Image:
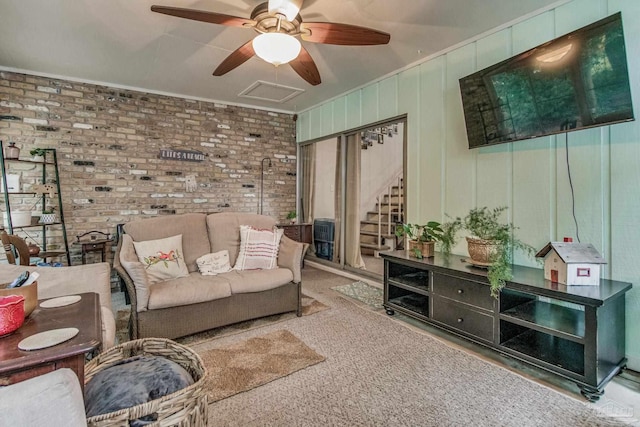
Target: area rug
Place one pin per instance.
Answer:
(243, 366)
(362, 292)
(309, 307)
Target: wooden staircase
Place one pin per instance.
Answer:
(377, 231)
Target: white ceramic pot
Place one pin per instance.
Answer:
(18, 219)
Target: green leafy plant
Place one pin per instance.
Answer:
(38, 152)
(429, 232)
(485, 224)
(292, 215)
(410, 230)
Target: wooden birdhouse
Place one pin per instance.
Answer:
(571, 263)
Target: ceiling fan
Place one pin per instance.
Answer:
(279, 24)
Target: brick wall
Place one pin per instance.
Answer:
(108, 142)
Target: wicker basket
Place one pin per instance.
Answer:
(185, 407)
(481, 251)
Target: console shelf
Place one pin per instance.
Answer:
(417, 304)
(408, 276)
(577, 332)
(563, 322)
(557, 352)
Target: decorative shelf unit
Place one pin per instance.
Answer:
(49, 175)
(577, 332)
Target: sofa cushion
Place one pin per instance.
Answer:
(192, 289)
(51, 399)
(63, 281)
(215, 263)
(290, 256)
(192, 226)
(258, 248)
(224, 230)
(136, 271)
(163, 259)
(246, 281)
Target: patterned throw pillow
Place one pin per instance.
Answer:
(215, 263)
(163, 259)
(258, 248)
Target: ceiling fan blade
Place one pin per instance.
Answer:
(342, 34)
(203, 16)
(237, 58)
(306, 68)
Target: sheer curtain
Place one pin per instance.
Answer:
(352, 254)
(337, 216)
(308, 171)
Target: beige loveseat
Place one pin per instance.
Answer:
(62, 281)
(195, 303)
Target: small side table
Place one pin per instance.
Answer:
(94, 246)
(298, 232)
(18, 365)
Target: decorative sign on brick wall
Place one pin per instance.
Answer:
(185, 155)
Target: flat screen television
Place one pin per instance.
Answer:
(576, 81)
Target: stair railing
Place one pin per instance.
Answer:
(396, 181)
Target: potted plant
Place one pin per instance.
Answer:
(490, 244)
(38, 154)
(291, 216)
(421, 238)
(48, 216)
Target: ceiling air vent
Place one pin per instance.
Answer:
(273, 92)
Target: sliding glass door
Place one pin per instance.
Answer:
(351, 190)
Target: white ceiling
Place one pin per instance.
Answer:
(123, 43)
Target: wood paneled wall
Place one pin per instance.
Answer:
(445, 178)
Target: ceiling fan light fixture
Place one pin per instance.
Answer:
(276, 48)
(556, 54)
(288, 8)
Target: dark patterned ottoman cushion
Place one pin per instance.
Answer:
(132, 382)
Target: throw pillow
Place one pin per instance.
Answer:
(215, 263)
(258, 248)
(163, 259)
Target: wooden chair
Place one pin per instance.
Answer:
(15, 243)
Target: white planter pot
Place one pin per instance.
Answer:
(18, 219)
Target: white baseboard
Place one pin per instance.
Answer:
(633, 363)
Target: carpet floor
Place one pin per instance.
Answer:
(380, 371)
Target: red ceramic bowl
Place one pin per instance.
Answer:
(29, 292)
(11, 313)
